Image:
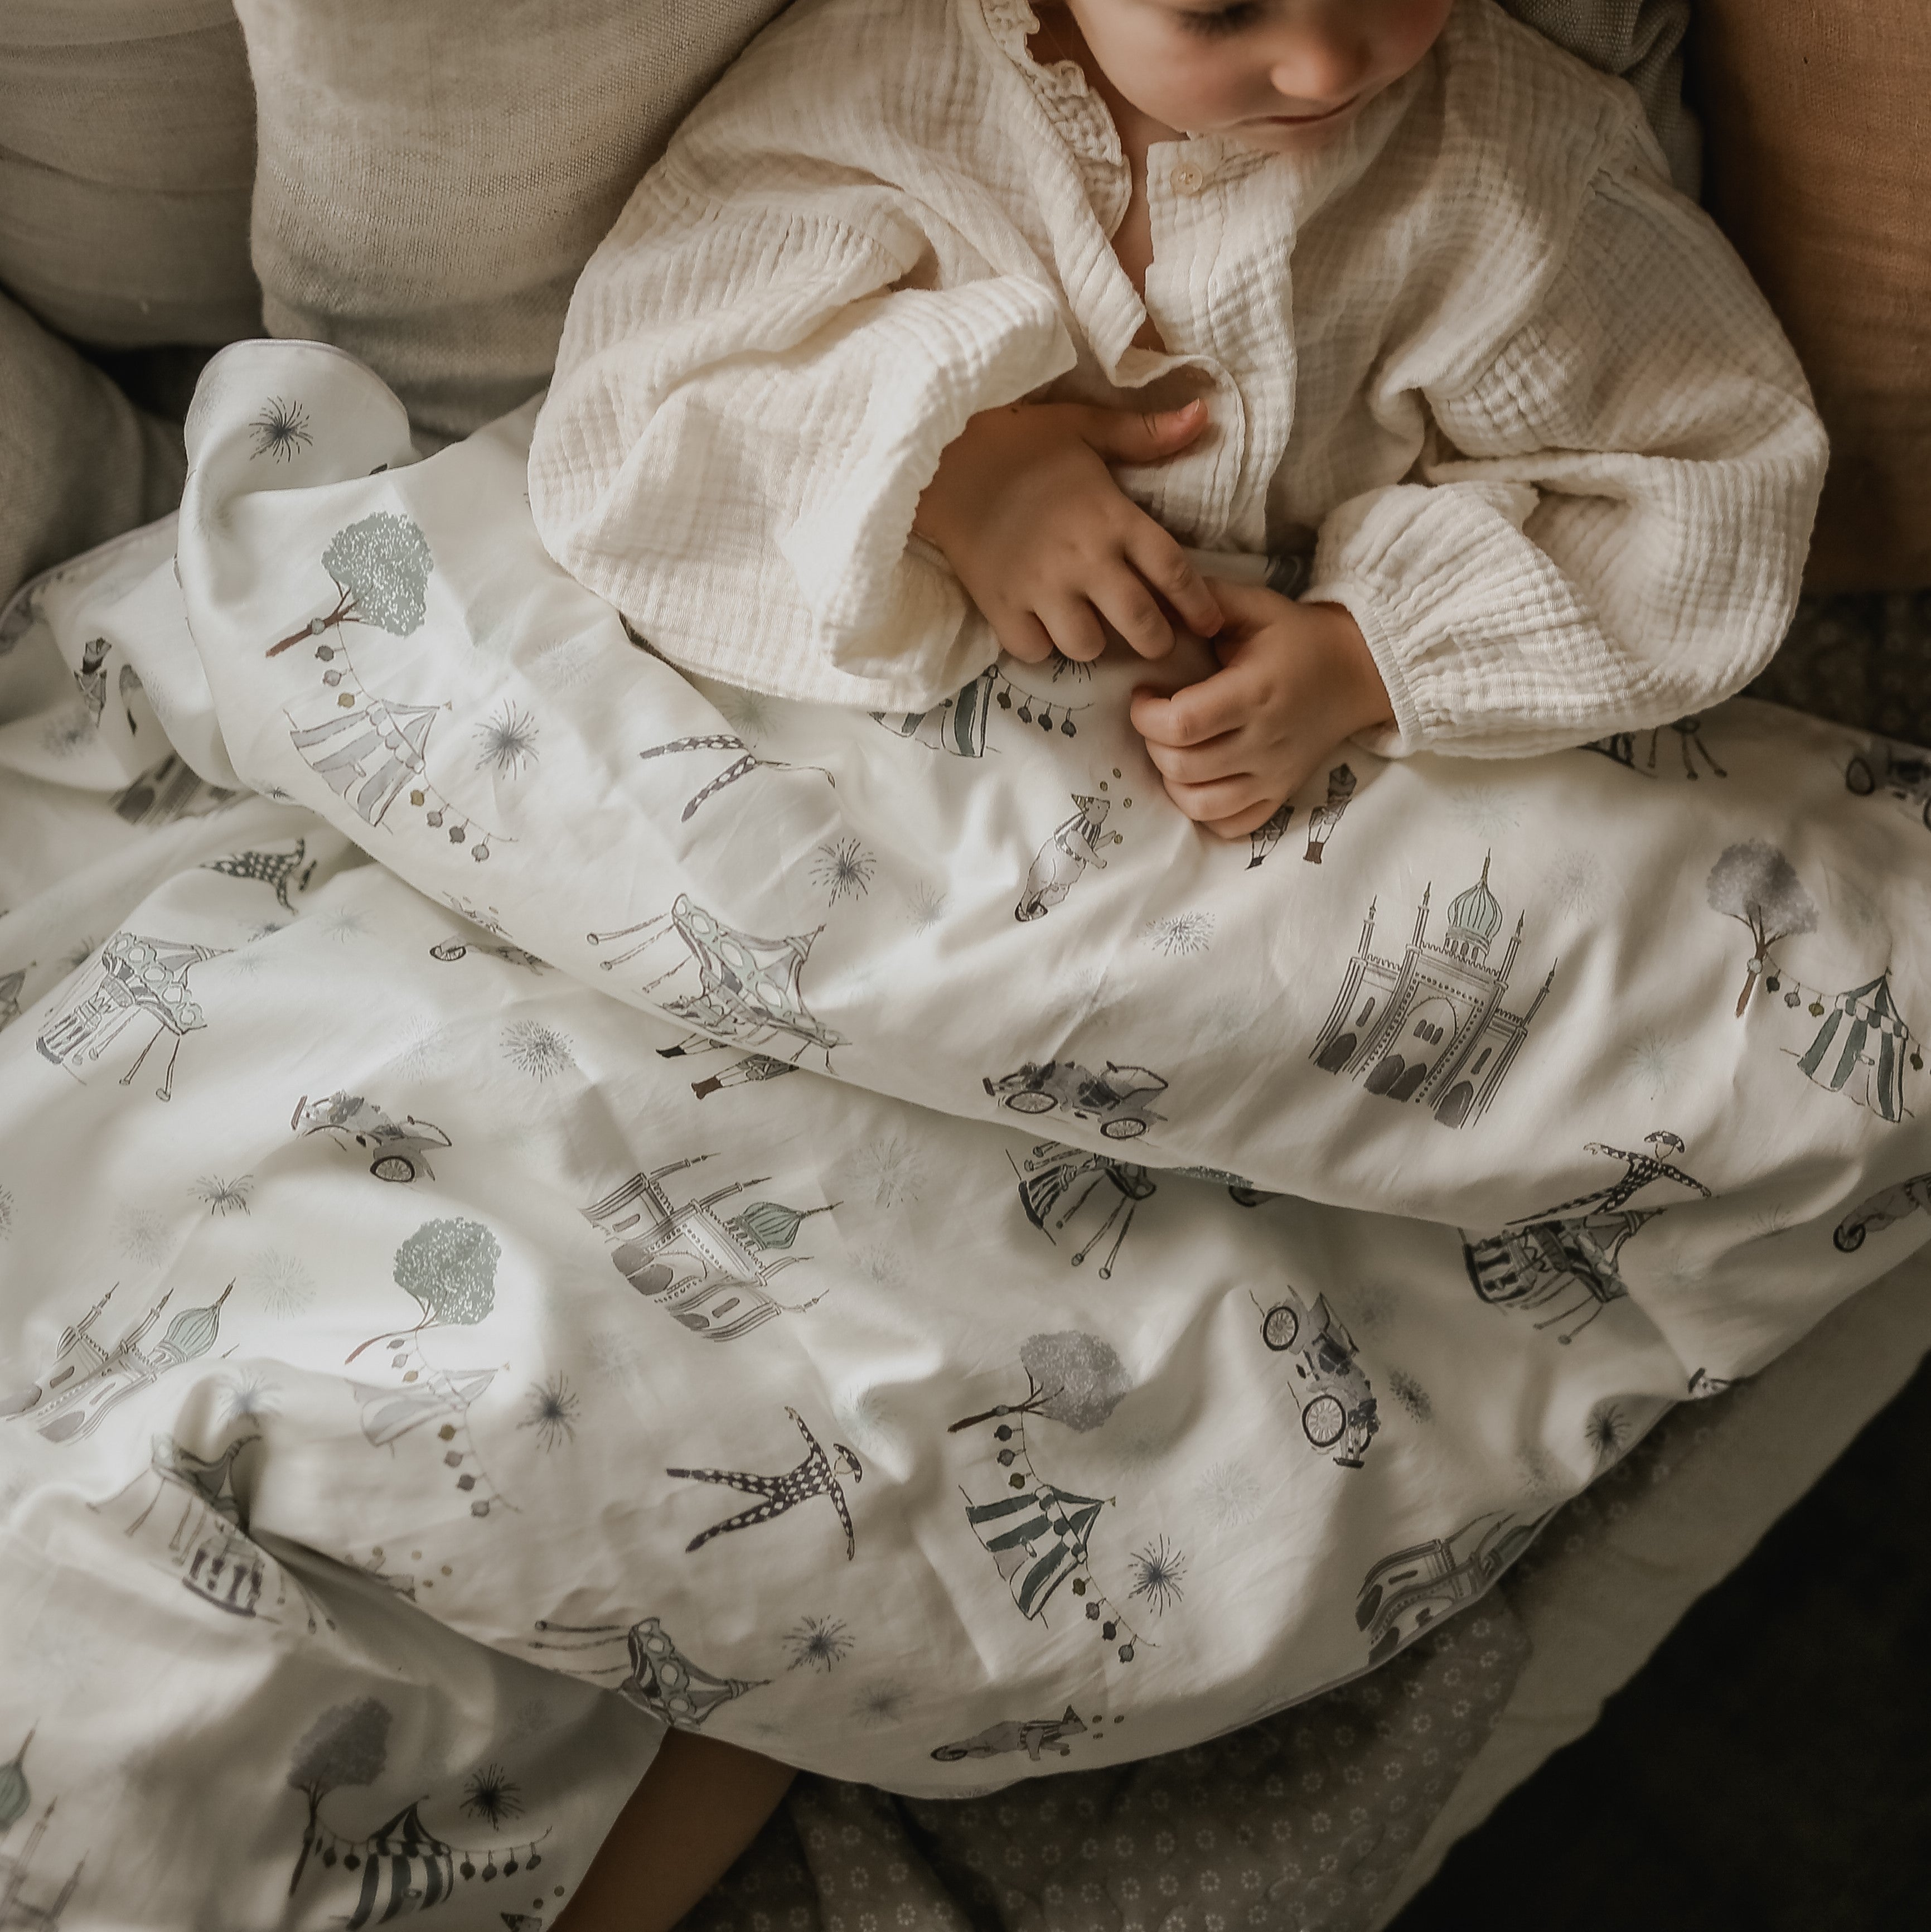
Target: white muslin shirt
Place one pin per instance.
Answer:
(1561, 462)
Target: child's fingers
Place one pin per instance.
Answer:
(1136, 436)
(1224, 757)
(1022, 635)
(1194, 714)
(1128, 605)
(1242, 823)
(1073, 626)
(1163, 565)
(1217, 801)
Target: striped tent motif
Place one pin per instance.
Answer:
(1038, 1538)
(406, 1868)
(1864, 1028)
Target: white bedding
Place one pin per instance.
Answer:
(853, 1419)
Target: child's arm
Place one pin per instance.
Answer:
(1609, 532)
(750, 398)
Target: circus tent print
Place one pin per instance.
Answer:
(1863, 1029)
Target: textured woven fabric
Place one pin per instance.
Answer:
(427, 192)
(78, 463)
(1817, 172)
(127, 152)
(1493, 291)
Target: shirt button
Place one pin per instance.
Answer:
(1187, 179)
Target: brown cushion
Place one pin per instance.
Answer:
(1818, 165)
(127, 154)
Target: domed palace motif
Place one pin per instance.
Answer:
(1431, 1028)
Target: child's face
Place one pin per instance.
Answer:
(1278, 75)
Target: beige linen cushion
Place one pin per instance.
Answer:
(126, 152)
(433, 176)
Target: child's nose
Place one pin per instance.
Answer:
(1321, 67)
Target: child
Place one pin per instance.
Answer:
(1395, 277)
(841, 399)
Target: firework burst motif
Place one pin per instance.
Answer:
(551, 1408)
(880, 1704)
(79, 954)
(845, 867)
(1411, 1395)
(1487, 810)
(1228, 1495)
(891, 1170)
(928, 906)
(344, 924)
(490, 1795)
(279, 430)
(508, 738)
(535, 1049)
(1158, 1570)
(615, 1356)
(747, 712)
(569, 664)
(426, 1051)
(1768, 1223)
(1606, 1432)
(141, 1234)
(880, 1264)
(1574, 882)
(247, 1397)
(820, 1642)
(1652, 1061)
(223, 1197)
(1181, 934)
(285, 1287)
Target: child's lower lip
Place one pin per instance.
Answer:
(1306, 120)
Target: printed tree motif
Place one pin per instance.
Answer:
(381, 566)
(1755, 884)
(1073, 1377)
(450, 1268)
(347, 1744)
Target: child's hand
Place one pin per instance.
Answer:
(1295, 680)
(1046, 543)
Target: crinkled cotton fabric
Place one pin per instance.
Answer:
(1517, 396)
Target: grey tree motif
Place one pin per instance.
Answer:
(1755, 884)
(450, 1268)
(348, 1744)
(381, 566)
(1072, 1377)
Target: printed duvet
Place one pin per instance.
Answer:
(522, 1178)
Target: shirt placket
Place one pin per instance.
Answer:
(1187, 207)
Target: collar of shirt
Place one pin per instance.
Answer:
(1225, 216)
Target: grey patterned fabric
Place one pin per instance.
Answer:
(1306, 1819)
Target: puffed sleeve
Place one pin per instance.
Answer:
(755, 383)
(1607, 528)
